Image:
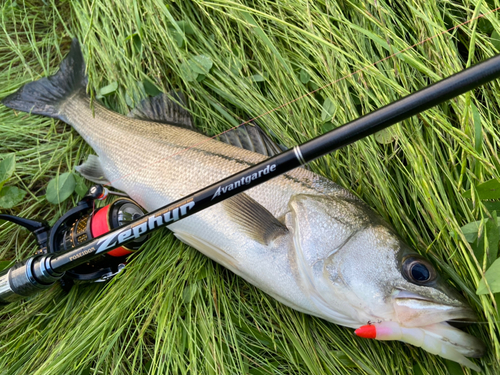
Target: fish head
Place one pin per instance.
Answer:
(421, 297)
(359, 271)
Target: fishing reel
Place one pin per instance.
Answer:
(82, 224)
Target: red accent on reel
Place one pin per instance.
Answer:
(100, 226)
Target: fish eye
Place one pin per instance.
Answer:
(418, 270)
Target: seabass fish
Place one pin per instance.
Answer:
(301, 238)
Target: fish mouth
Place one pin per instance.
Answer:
(455, 312)
(415, 310)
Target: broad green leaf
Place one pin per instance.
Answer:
(495, 39)
(492, 275)
(257, 78)
(478, 131)
(235, 67)
(486, 244)
(10, 196)
(327, 126)
(313, 86)
(470, 230)
(178, 37)
(188, 73)
(150, 88)
(189, 292)
(4, 264)
(134, 97)
(129, 101)
(486, 190)
(61, 187)
(343, 358)
(485, 26)
(489, 190)
(202, 274)
(417, 369)
(492, 206)
(106, 90)
(201, 64)
(304, 76)
(329, 109)
(136, 41)
(453, 368)
(7, 168)
(80, 187)
(479, 245)
(385, 136)
(186, 27)
(493, 237)
(147, 366)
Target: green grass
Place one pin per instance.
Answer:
(174, 311)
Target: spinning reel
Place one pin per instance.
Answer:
(82, 224)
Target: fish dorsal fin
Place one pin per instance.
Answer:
(161, 108)
(252, 138)
(254, 218)
(92, 170)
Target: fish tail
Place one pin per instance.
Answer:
(47, 95)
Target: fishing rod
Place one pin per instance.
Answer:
(82, 237)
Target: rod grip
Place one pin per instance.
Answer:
(26, 278)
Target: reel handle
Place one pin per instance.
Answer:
(39, 229)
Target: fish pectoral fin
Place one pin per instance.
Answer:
(211, 251)
(161, 108)
(92, 170)
(254, 219)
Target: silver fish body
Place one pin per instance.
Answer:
(300, 238)
(158, 163)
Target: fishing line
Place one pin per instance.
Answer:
(110, 183)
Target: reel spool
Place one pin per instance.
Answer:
(84, 223)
